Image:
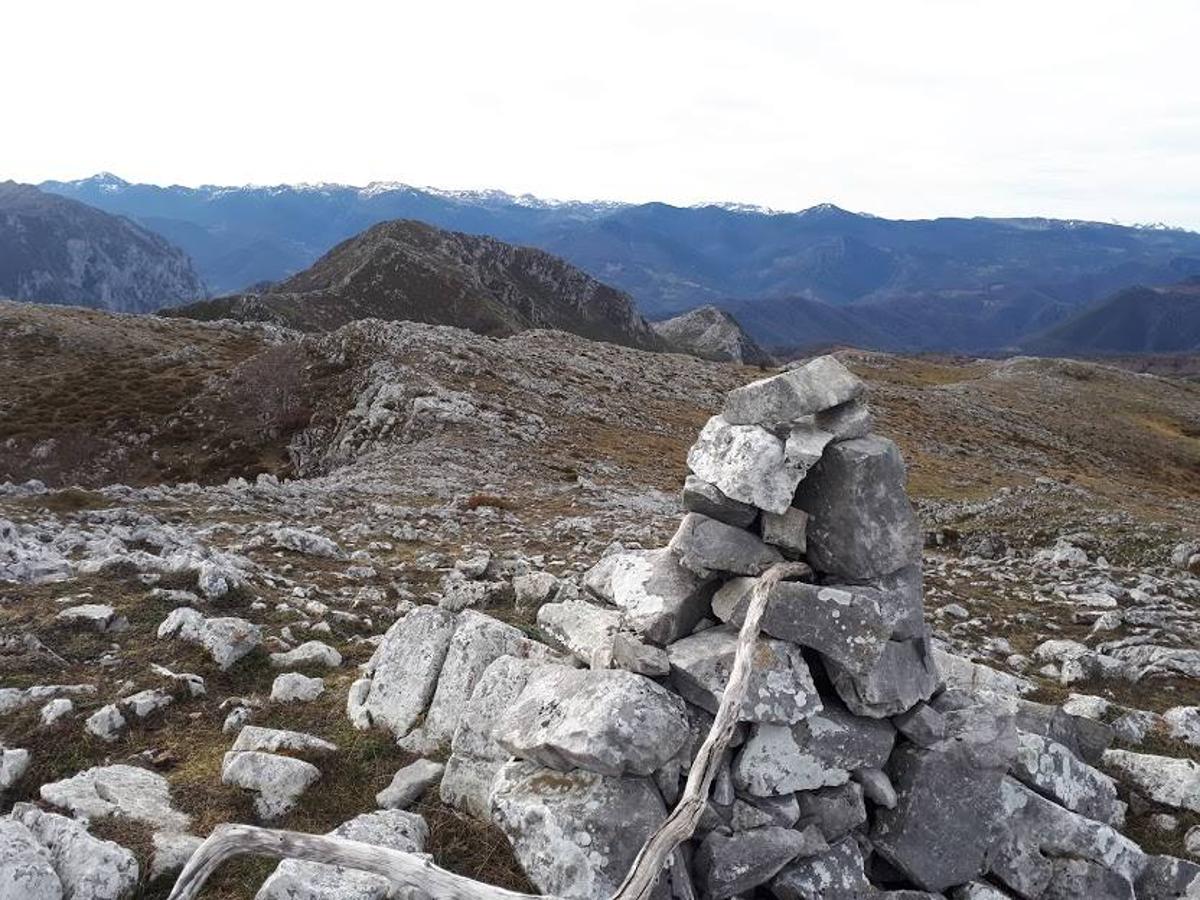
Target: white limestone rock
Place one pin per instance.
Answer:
(14, 763)
(1054, 771)
(56, 710)
(1164, 779)
(405, 667)
(818, 385)
(584, 629)
(226, 639)
(172, 850)
(661, 600)
(292, 687)
(310, 653)
(607, 721)
(278, 781)
(94, 616)
(575, 833)
(26, 871)
(478, 641)
(746, 463)
(117, 791)
(106, 723)
(476, 754)
(391, 828)
(87, 867)
(271, 740)
(409, 783)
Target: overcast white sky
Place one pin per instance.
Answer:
(1072, 108)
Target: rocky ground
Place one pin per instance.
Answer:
(297, 490)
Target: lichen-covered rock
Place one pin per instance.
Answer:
(727, 865)
(405, 667)
(820, 384)
(226, 639)
(295, 879)
(87, 867)
(660, 599)
(836, 874)
(1164, 779)
(278, 781)
(477, 642)
(476, 756)
(861, 524)
(703, 546)
(272, 740)
(409, 783)
(607, 721)
(746, 463)
(1036, 834)
(780, 687)
(310, 653)
(117, 791)
(820, 751)
(14, 763)
(843, 623)
(26, 872)
(293, 687)
(1055, 772)
(585, 629)
(575, 833)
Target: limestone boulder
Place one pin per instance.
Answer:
(904, 675)
(226, 638)
(86, 866)
(821, 384)
(576, 834)
(704, 546)
(476, 755)
(820, 751)
(1055, 772)
(746, 463)
(861, 524)
(278, 782)
(611, 722)
(117, 791)
(26, 871)
(705, 498)
(405, 667)
(780, 690)
(660, 599)
(1164, 779)
(299, 880)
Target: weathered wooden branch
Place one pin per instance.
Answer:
(415, 872)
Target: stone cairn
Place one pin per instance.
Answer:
(854, 770)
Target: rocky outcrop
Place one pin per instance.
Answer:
(711, 333)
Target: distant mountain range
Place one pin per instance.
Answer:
(793, 280)
(408, 270)
(1135, 320)
(57, 250)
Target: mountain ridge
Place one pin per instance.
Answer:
(409, 270)
(57, 250)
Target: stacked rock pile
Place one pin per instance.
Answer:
(854, 771)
